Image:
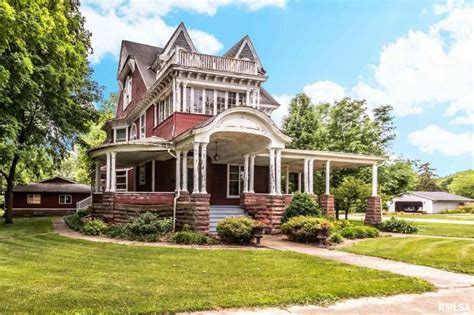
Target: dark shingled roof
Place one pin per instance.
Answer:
(235, 49)
(54, 184)
(267, 98)
(144, 56)
(440, 196)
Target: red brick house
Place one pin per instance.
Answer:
(52, 196)
(193, 139)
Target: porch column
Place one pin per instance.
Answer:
(252, 173)
(306, 178)
(97, 176)
(271, 168)
(178, 96)
(178, 170)
(328, 174)
(311, 176)
(196, 168)
(299, 181)
(246, 174)
(374, 180)
(184, 97)
(174, 95)
(247, 98)
(203, 167)
(287, 180)
(184, 183)
(278, 171)
(107, 172)
(113, 178)
(153, 175)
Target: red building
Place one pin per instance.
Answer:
(193, 139)
(52, 196)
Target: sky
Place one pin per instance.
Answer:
(417, 56)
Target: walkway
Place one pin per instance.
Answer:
(445, 221)
(439, 278)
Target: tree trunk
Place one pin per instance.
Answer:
(346, 212)
(9, 194)
(337, 214)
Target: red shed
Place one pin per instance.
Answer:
(52, 196)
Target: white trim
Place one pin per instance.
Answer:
(120, 128)
(142, 125)
(64, 203)
(133, 132)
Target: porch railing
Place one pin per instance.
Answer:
(84, 203)
(209, 62)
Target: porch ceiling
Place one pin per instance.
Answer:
(127, 159)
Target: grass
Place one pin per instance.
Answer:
(47, 273)
(452, 255)
(24, 227)
(444, 229)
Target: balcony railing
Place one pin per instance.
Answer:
(216, 63)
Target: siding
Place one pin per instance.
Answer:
(178, 123)
(48, 200)
(138, 90)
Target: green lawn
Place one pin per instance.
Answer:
(453, 255)
(443, 229)
(44, 273)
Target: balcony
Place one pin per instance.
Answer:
(215, 63)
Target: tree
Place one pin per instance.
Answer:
(463, 184)
(46, 91)
(351, 196)
(78, 164)
(396, 178)
(426, 178)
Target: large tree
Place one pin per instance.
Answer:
(46, 91)
(463, 184)
(427, 178)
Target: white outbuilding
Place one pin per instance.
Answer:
(426, 202)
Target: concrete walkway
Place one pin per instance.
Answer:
(439, 278)
(445, 221)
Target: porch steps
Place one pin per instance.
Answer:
(219, 212)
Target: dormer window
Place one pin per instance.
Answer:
(127, 92)
(121, 134)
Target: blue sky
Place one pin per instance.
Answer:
(415, 55)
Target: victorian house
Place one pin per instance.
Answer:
(193, 139)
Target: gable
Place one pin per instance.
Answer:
(180, 38)
(246, 53)
(181, 41)
(57, 180)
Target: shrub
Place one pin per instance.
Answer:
(236, 230)
(94, 227)
(116, 231)
(74, 222)
(340, 224)
(149, 223)
(336, 238)
(84, 212)
(469, 208)
(301, 205)
(305, 228)
(187, 237)
(398, 226)
(358, 231)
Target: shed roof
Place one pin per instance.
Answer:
(440, 196)
(56, 184)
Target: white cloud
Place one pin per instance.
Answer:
(324, 91)
(434, 139)
(279, 114)
(110, 21)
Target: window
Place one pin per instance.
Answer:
(209, 102)
(231, 99)
(220, 101)
(142, 126)
(197, 106)
(121, 135)
(133, 132)
(234, 180)
(65, 199)
(127, 92)
(141, 175)
(188, 100)
(121, 181)
(242, 99)
(33, 199)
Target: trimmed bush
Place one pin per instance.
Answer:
(335, 238)
(94, 227)
(398, 226)
(188, 237)
(305, 228)
(149, 224)
(236, 230)
(301, 205)
(469, 208)
(73, 221)
(358, 231)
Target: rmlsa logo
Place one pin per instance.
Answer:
(454, 307)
